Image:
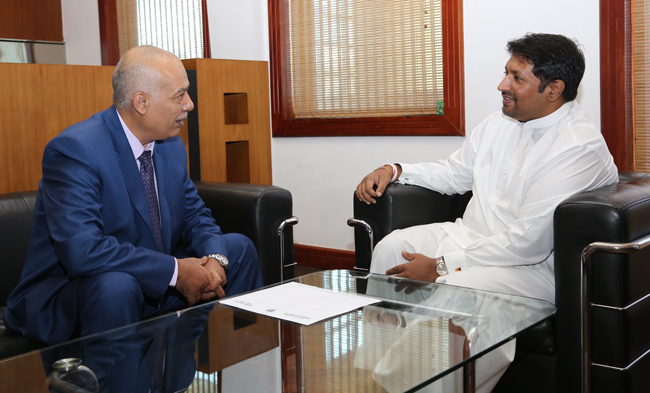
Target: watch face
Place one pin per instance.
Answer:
(223, 261)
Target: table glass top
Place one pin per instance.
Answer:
(414, 336)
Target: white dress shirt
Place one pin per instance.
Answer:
(518, 173)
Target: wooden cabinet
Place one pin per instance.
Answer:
(229, 131)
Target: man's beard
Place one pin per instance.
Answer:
(510, 112)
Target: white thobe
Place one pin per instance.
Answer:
(518, 174)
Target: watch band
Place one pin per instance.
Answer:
(223, 261)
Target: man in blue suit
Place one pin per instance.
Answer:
(120, 233)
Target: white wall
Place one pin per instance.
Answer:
(81, 32)
(322, 173)
(239, 29)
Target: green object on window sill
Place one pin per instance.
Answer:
(440, 108)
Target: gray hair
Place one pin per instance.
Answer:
(136, 72)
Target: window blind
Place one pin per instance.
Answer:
(365, 58)
(173, 25)
(641, 77)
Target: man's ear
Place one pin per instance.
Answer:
(140, 102)
(555, 90)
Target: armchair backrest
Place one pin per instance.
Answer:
(16, 211)
(256, 211)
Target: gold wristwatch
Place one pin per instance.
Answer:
(441, 266)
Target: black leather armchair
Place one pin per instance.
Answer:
(263, 213)
(550, 357)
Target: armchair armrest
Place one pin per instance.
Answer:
(618, 213)
(257, 211)
(401, 206)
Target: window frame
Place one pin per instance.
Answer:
(109, 39)
(452, 123)
(616, 114)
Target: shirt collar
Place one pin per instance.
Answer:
(135, 144)
(549, 120)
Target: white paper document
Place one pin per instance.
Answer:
(299, 303)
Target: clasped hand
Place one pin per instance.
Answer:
(200, 279)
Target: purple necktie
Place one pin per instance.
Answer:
(146, 171)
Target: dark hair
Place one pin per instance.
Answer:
(553, 57)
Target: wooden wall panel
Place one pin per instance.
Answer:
(215, 79)
(39, 102)
(39, 20)
(323, 258)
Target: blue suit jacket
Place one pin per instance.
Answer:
(92, 216)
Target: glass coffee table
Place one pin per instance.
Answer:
(415, 337)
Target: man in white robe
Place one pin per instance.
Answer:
(519, 163)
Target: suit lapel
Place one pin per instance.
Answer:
(129, 169)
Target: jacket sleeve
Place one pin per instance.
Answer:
(201, 234)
